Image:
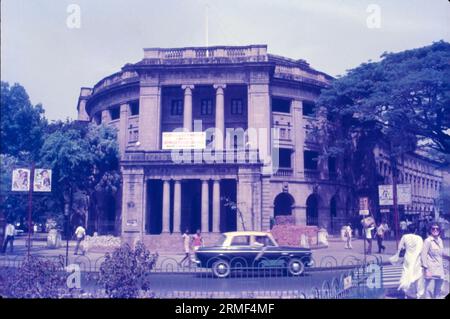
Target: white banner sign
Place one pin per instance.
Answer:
(386, 195)
(183, 140)
(21, 180)
(42, 180)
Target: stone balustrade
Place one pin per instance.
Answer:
(252, 52)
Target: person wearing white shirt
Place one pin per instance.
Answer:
(369, 238)
(80, 232)
(10, 232)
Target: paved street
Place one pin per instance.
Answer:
(170, 280)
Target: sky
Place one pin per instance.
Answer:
(53, 61)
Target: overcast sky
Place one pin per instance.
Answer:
(53, 61)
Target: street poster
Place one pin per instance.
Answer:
(42, 180)
(20, 180)
(386, 194)
(364, 205)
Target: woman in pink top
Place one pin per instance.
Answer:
(197, 241)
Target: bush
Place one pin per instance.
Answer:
(35, 278)
(123, 274)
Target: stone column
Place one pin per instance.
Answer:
(133, 204)
(260, 119)
(166, 206)
(298, 138)
(187, 108)
(177, 207)
(220, 116)
(106, 117)
(216, 206)
(205, 206)
(149, 117)
(123, 128)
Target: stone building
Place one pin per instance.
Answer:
(425, 177)
(224, 87)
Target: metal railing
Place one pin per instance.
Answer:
(350, 277)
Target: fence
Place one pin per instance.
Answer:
(350, 278)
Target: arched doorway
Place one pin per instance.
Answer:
(283, 204)
(312, 210)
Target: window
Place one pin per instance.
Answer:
(177, 107)
(115, 113)
(134, 108)
(206, 107)
(311, 159)
(281, 105)
(285, 157)
(309, 108)
(240, 241)
(237, 107)
(263, 241)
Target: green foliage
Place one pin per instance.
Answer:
(35, 278)
(405, 96)
(400, 102)
(21, 123)
(124, 273)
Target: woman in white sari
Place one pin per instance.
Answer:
(411, 281)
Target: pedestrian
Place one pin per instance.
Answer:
(380, 238)
(348, 236)
(403, 227)
(387, 230)
(197, 241)
(10, 232)
(186, 245)
(433, 248)
(369, 237)
(80, 233)
(411, 281)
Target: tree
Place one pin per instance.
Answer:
(22, 124)
(401, 102)
(84, 162)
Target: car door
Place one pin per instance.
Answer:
(241, 251)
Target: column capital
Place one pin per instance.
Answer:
(205, 180)
(124, 107)
(219, 86)
(187, 86)
(216, 179)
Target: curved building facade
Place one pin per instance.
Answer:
(273, 168)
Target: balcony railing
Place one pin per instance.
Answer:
(312, 174)
(284, 172)
(166, 157)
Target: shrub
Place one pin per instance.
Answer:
(123, 274)
(35, 278)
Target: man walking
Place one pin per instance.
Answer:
(380, 237)
(10, 232)
(369, 238)
(80, 233)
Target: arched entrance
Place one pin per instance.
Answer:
(312, 210)
(283, 204)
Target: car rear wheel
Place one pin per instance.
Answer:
(295, 267)
(221, 269)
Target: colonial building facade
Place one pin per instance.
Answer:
(425, 177)
(240, 88)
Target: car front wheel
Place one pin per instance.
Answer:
(295, 267)
(221, 269)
